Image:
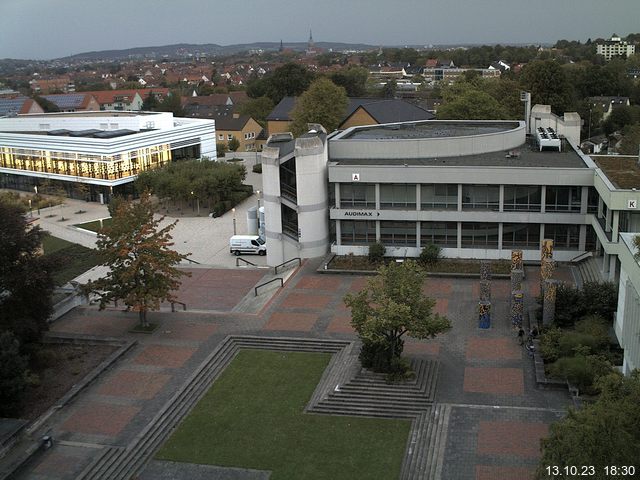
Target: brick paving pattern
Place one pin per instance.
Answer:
(518, 439)
(100, 419)
(484, 472)
(493, 349)
(164, 356)
(143, 385)
(479, 369)
(496, 381)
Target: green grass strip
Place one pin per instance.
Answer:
(252, 417)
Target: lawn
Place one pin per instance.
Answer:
(253, 417)
(70, 259)
(95, 225)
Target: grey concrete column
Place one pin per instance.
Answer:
(459, 234)
(612, 267)
(615, 225)
(337, 194)
(541, 234)
(501, 201)
(607, 221)
(377, 230)
(418, 239)
(338, 233)
(500, 230)
(582, 238)
(543, 200)
(600, 204)
(418, 197)
(584, 200)
(377, 196)
(459, 198)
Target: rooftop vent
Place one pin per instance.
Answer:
(548, 138)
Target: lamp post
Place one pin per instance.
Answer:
(258, 195)
(197, 202)
(234, 220)
(30, 211)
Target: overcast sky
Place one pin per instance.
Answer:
(44, 29)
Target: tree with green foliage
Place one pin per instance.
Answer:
(26, 284)
(389, 89)
(324, 103)
(391, 305)
(142, 266)
(258, 109)
(217, 184)
(233, 144)
(172, 103)
(289, 80)
(548, 84)
(221, 149)
(600, 434)
(13, 375)
(150, 103)
(465, 100)
(353, 79)
(47, 105)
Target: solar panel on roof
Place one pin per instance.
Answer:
(66, 101)
(10, 105)
(84, 133)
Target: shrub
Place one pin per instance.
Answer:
(430, 254)
(600, 298)
(581, 371)
(13, 375)
(257, 168)
(570, 341)
(376, 252)
(380, 356)
(549, 348)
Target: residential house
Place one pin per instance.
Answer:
(360, 111)
(607, 104)
(43, 86)
(229, 124)
(18, 105)
(74, 102)
(122, 100)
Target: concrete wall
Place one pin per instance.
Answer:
(567, 125)
(271, 202)
(311, 179)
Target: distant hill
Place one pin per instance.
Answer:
(209, 49)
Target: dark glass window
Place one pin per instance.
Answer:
(522, 198)
(401, 234)
(289, 221)
(400, 196)
(480, 197)
(563, 199)
(354, 232)
(443, 234)
(521, 235)
(565, 237)
(439, 196)
(357, 195)
(479, 235)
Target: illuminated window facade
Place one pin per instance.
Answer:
(74, 164)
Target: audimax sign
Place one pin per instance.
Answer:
(361, 213)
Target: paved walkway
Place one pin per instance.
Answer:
(497, 415)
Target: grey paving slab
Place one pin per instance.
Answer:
(162, 470)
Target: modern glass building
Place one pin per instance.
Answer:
(104, 151)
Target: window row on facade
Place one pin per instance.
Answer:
(472, 234)
(516, 198)
(86, 166)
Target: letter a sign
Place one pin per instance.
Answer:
(355, 177)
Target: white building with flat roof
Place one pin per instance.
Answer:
(103, 150)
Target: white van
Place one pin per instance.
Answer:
(247, 244)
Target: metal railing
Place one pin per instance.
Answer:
(173, 306)
(192, 261)
(255, 290)
(298, 259)
(238, 260)
(582, 256)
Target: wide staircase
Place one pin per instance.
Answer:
(589, 270)
(344, 389)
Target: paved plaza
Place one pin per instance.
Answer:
(497, 413)
(486, 380)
